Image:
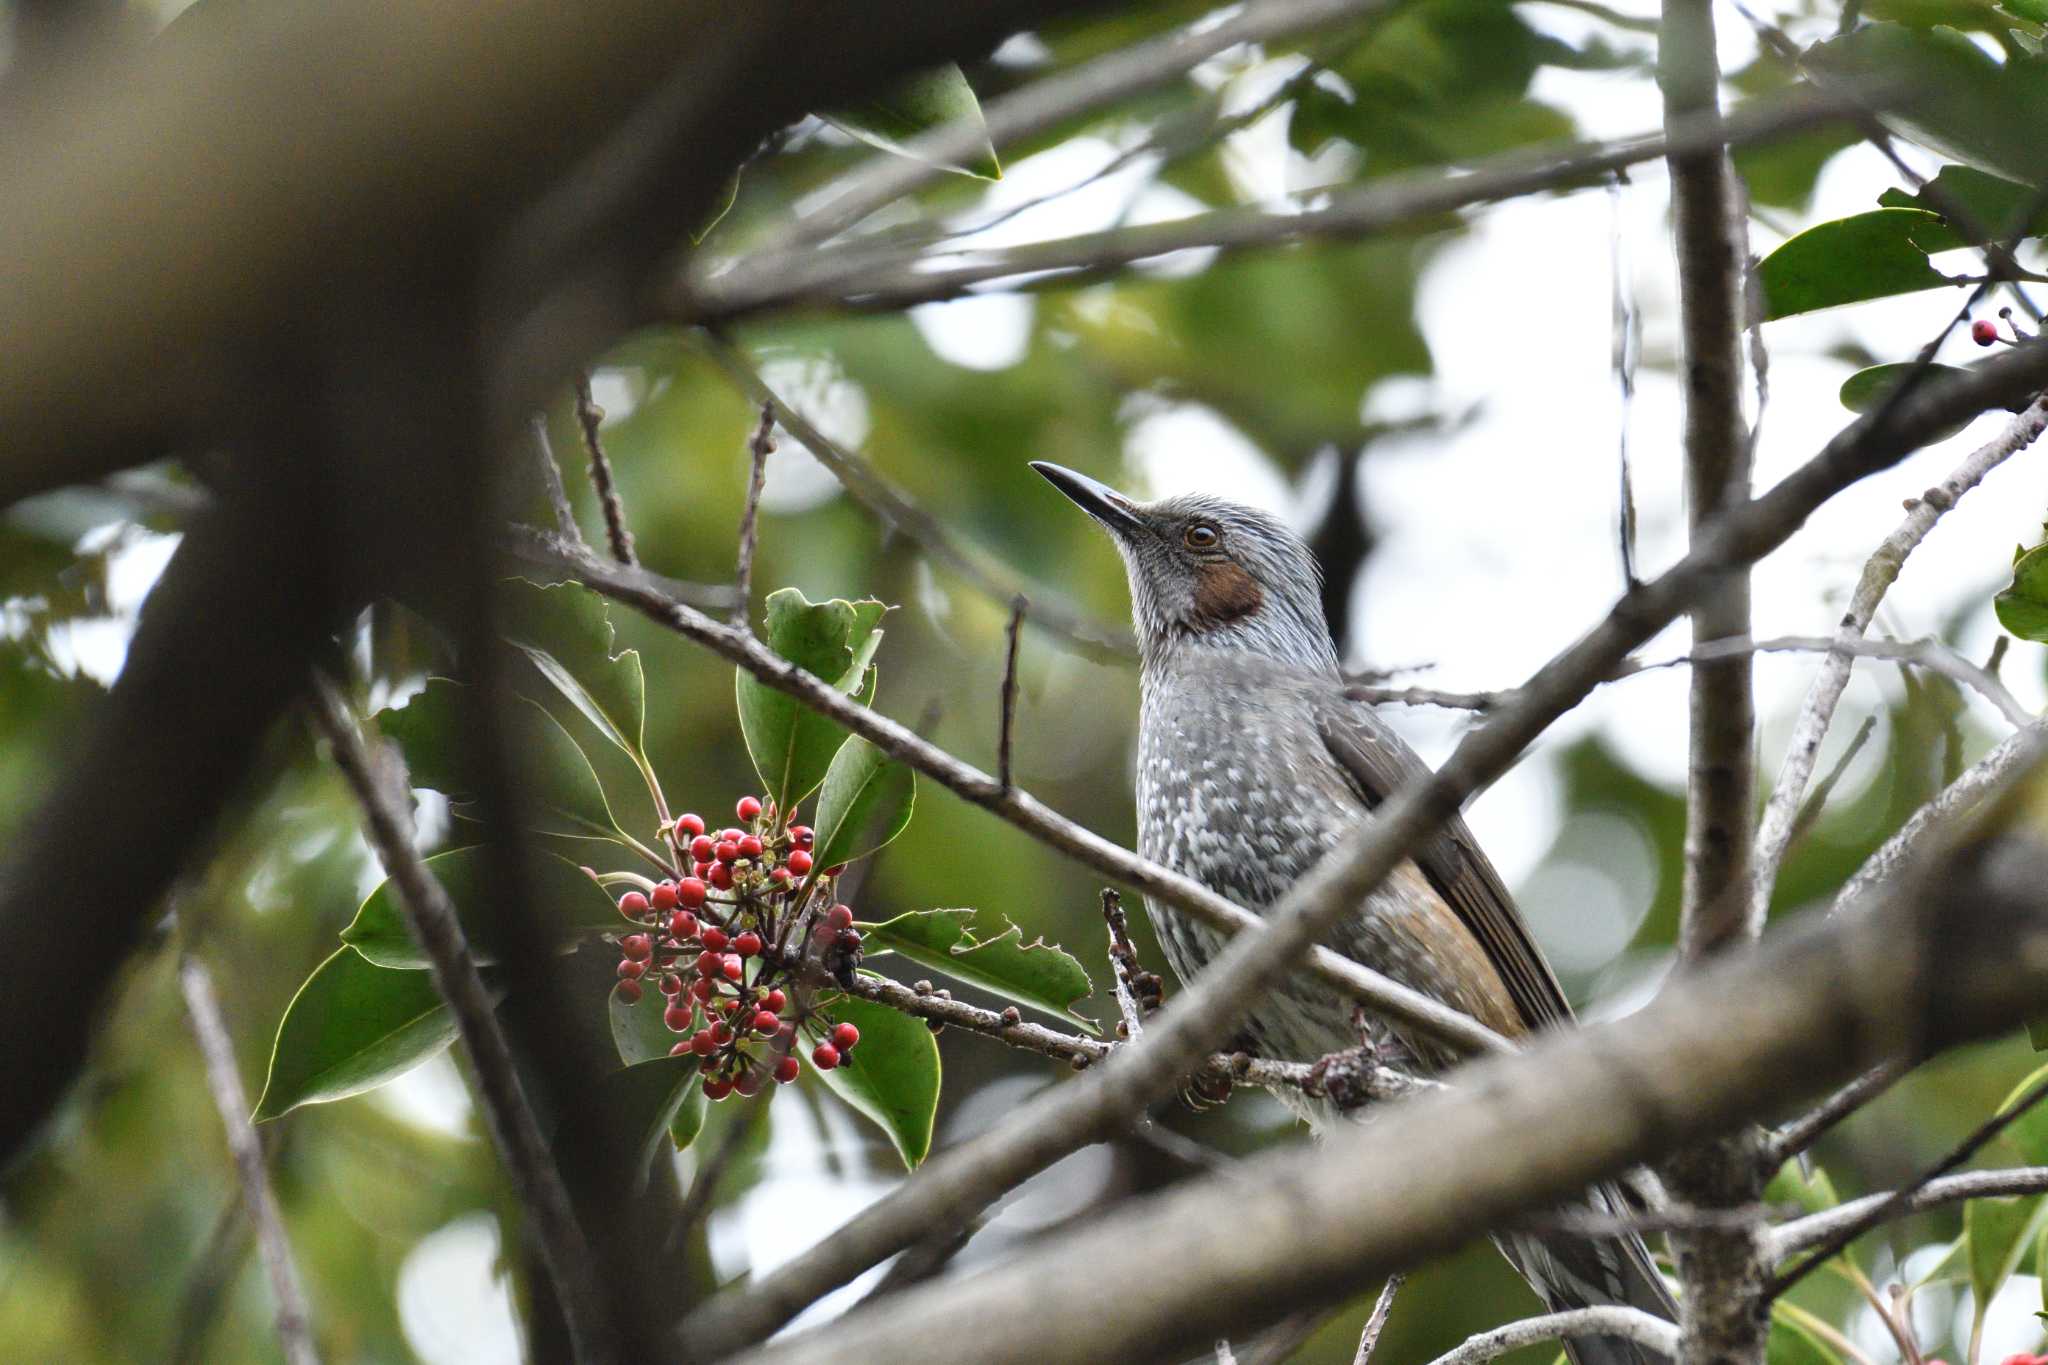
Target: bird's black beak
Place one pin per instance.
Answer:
(1098, 500)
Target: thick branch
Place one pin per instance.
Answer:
(964, 1179)
(1960, 951)
(294, 1322)
(1790, 1239)
(1879, 573)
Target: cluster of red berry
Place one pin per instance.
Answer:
(718, 944)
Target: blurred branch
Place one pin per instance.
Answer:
(375, 776)
(551, 479)
(899, 277)
(1046, 104)
(1980, 779)
(1008, 723)
(1631, 1324)
(294, 1322)
(647, 595)
(206, 1283)
(1879, 573)
(1826, 1227)
(1802, 1132)
(759, 448)
(893, 507)
(589, 418)
(1957, 951)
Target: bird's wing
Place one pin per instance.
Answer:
(1377, 761)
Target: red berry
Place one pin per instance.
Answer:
(709, 964)
(691, 892)
(701, 848)
(824, 934)
(682, 925)
(748, 808)
(682, 1046)
(702, 1043)
(1983, 332)
(840, 917)
(780, 876)
(629, 970)
(717, 1090)
(787, 1070)
(825, 1056)
(633, 904)
(747, 944)
(835, 869)
(750, 846)
(734, 968)
(774, 1000)
(637, 946)
(730, 836)
(720, 1034)
(629, 991)
(702, 988)
(702, 871)
(727, 850)
(715, 938)
(766, 1022)
(802, 835)
(730, 1005)
(671, 984)
(721, 876)
(748, 1082)
(844, 1036)
(664, 897)
(799, 861)
(677, 1017)
(689, 824)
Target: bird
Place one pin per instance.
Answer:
(1254, 760)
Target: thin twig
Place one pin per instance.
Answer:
(1623, 352)
(1900, 1200)
(1879, 573)
(294, 1322)
(1375, 1324)
(1138, 992)
(551, 479)
(1802, 1132)
(1009, 716)
(589, 416)
(894, 509)
(1817, 801)
(2015, 752)
(213, 1268)
(760, 447)
(375, 776)
(1792, 1238)
(1631, 1324)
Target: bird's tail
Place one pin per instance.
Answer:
(1575, 1270)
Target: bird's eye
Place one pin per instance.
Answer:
(1200, 536)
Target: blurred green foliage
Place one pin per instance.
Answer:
(119, 1238)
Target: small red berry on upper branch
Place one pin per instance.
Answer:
(633, 904)
(748, 808)
(844, 1036)
(1983, 332)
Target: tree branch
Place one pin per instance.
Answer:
(884, 276)
(294, 1321)
(759, 448)
(1803, 1234)
(1879, 573)
(1802, 1132)
(589, 418)
(1958, 951)
(1631, 1324)
(376, 779)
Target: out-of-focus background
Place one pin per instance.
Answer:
(1441, 411)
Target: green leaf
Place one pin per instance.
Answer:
(991, 955)
(1810, 1189)
(2023, 606)
(928, 100)
(791, 745)
(637, 1027)
(1793, 1342)
(2028, 1134)
(574, 905)
(1865, 256)
(1866, 390)
(352, 1026)
(1998, 1232)
(566, 631)
(865, 803)
(892, 1076)
(647, 1099)
(689, 1120)
(566, 796)
(1992, 204)
(1965, 104)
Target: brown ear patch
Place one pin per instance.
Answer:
(1223, 593)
